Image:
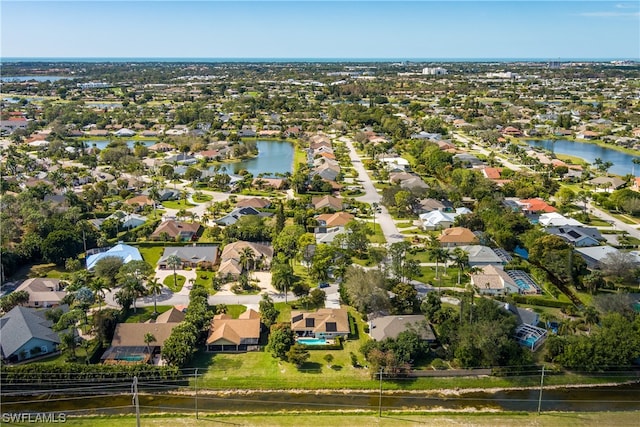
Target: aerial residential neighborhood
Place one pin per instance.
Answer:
(258, 224)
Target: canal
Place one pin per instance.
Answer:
(588, 399)
(622, 162)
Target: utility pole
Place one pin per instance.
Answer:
(196, 387)
(541, 385)
(136, 403)
(380, 396)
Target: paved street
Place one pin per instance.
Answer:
(617, 224)
(371, 195)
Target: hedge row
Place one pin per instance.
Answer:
(52, 375)
(531, 300)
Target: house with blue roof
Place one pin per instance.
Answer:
(125, 252)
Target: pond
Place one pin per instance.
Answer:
(102, 144)
(274, 157)
(622, 162)
(11, 79)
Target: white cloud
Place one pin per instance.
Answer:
(611, 14)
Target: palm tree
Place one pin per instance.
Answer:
(247, 257)
(154, 288)
(461, 260)
(148, 339)
(99, 286)
(439, 255)
(173, 262)
(154, 195)
(591, 316)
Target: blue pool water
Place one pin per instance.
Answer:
(312, 341)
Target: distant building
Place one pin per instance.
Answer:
(434, 71)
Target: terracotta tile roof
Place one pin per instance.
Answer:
(336, 219)
(457, 235)
(537, 205)
(247, 326)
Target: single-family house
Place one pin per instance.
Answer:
(176, 230)
(190, 256)
(437, 220)
(493, 281)
(124, 132)
(140, 201)
(233, 216)
(554, 219)
(325, 323)
(595, 255)
(125, 252)
(234, 335)
(128, 345)
(577, 236)
(457, 236)
(429, 205)
(384, 327)
(26, 333)
(254, 202)
(327, 171)
(609, 183)
(481, 256)
(275, 183)
(328, 202)
(535, 206)
(161, 147)
(332, 220)
(230, 258)
(43, 292)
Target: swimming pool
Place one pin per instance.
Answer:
(312, 341)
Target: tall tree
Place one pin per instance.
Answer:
(173, 262)
(154, 287)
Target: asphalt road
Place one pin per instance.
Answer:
(388, 226)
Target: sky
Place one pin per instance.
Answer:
(320, 29)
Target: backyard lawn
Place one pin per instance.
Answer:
(151, 254)
(230, 370)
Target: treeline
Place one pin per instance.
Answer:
(192, 332)
(616, 344)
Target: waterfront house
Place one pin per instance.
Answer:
(326, 323)
(234, 335)
(26, 333)
(381, 328)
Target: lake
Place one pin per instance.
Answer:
(102, 144)
(622, 162)
(273, 157)
(32, 78)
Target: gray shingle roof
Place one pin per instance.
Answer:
(20, 325)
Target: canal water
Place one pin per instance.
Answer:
(619, 398)
(274, 157)
(622, 162)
